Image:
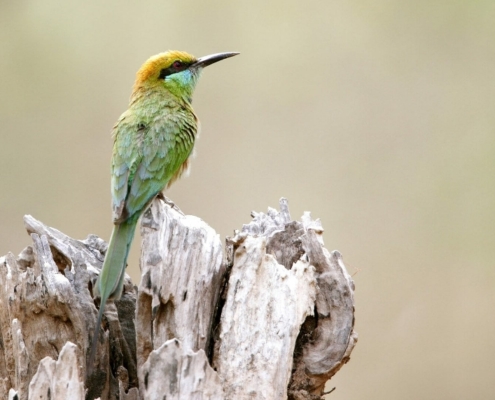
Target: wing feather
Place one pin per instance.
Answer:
(146, 160)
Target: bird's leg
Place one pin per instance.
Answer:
(169, 202)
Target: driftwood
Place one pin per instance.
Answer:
(269, 317)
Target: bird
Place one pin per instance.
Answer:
(153, 141)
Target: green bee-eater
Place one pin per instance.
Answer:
(153, 140)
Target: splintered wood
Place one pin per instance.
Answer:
(181, 276)
(46, 303)
(271, 317)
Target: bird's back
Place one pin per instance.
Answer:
(153, 140)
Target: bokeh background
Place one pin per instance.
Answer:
(376, 116)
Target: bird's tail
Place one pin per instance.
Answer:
(111, 279)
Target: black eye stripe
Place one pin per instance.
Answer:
(165, 72)
(177, 66)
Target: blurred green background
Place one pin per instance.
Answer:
(376, 116)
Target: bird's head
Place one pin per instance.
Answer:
(174, 71)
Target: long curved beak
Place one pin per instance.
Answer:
(211, 59)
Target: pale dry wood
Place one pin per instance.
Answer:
(61, 379)
(39, 314)
(280, 274)
(324, 341)
(181, 273)
(173, 372)
(274, 316)
(264, 309)
(46, 301)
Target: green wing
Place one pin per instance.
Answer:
(147, 154)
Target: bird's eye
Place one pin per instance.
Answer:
(177, 66)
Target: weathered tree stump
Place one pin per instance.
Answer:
(269, 317)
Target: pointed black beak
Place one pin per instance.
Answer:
(211, 59)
